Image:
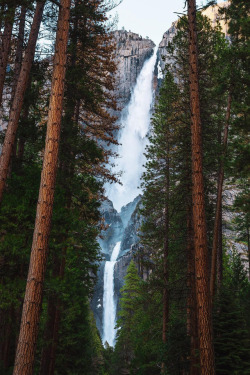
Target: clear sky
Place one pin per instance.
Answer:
(149, 17)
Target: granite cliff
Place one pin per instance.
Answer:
(131, 52)
(211, 12)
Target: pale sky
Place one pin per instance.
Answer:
(149, 17)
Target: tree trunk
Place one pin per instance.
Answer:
(4, 49)
(204, 314)
(17, 103)
(33, 295)
(19, 50)
(219, 200)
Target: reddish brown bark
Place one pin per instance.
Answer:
(4, 49)
(18, 98)
(204, 314)
(33, 295)
(218, 211)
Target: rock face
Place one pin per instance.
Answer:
(162, 48)
(131, 52)
(131, 232)
(127, 211)
(211, 12)
(114, 230)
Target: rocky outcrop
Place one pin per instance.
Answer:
(162, 48)
(114, 228)
(211, 12)
(131, 52)
(120, 271)
(131, 233)
(127, 211)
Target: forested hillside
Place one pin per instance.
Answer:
(185, 302)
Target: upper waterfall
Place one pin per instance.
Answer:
(135, 121)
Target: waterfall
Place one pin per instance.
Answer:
(109, 307)
(135, 126)
(135, 123)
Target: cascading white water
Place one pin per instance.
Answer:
(132, 139)
(109, 308)
(135, 125)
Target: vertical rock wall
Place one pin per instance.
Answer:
(131, 52)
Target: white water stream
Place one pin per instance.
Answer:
(135, 126)
(109, 308)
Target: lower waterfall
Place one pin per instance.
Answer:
(109, 308)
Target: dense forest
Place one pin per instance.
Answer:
(191, 315)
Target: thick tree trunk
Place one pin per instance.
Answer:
(18, 98)
(4, 49)
(204, 314)
(33, 296)
(218, 211)
(19, 50)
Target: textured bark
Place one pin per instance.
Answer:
(18, 98)
(4, 49)
(33, 295)
(204, 314)
(19, 50)
(219, 200)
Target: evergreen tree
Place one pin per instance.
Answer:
(18, 98)
(24, 362)
(130, 293)
(231, 332)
